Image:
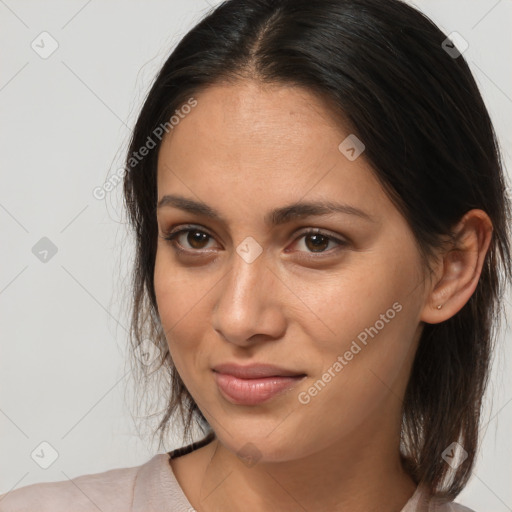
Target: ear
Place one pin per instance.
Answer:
(459, 270)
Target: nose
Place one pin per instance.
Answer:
(247, 308)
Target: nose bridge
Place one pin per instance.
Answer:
(245, 299)
(242, 287)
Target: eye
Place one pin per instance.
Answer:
(316, 241)
(191, 239)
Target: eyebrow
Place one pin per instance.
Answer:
(275, 217)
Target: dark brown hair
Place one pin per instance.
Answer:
(383, 68)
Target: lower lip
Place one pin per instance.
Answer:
(253, 391)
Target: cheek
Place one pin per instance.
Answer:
(368, 316)
(181, 306)
(177, 293)
(372, 319)
(359, 380)
(341, 306)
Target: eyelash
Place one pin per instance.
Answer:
(171, 236)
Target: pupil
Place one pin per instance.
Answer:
(319, 242)
(195, 238)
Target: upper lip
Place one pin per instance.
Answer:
(255, 371)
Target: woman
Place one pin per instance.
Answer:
(322, 243)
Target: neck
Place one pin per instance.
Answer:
(356, 474)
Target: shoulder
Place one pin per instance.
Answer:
(447, 507)
(109, 491)
(423, 501)
(455, 507)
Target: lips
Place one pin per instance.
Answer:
(254, 384)
(255, 371)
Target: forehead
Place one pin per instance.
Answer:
(254, 142)
(242, 103)
(248, 120)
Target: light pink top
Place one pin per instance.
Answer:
(150, 487)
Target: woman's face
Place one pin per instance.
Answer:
(333, 296)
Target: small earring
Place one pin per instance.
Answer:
(440, 306)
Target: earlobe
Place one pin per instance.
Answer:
(461, 267)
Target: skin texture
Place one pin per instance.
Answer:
(244, 150)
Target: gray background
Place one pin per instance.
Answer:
(65, 122)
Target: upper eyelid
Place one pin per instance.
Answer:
(188, 227)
